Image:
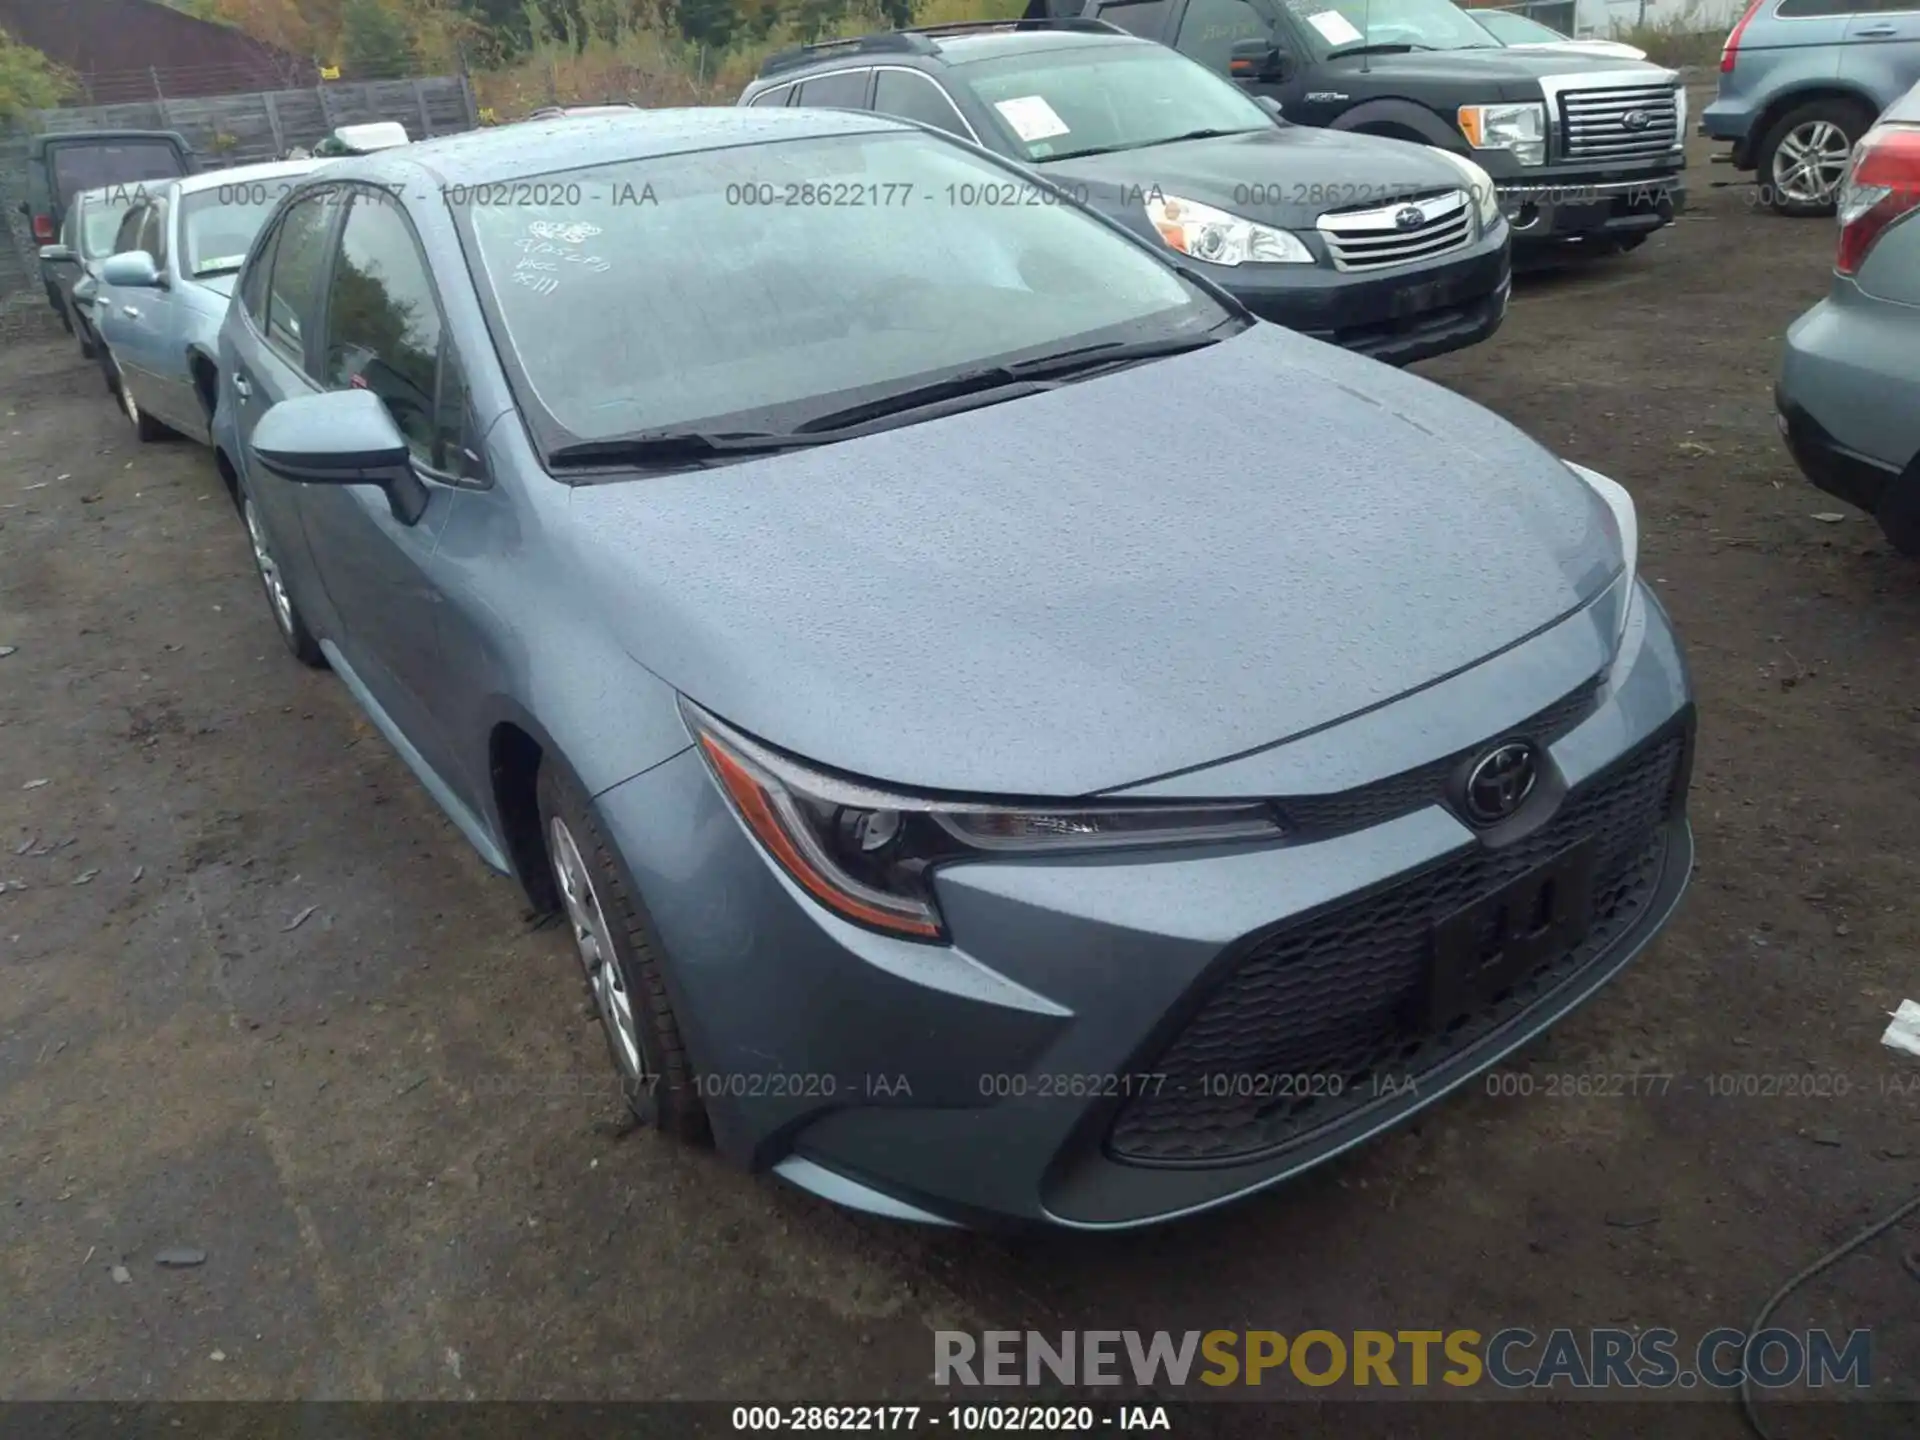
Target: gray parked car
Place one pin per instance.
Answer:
(1011, 735)
(1849, 390)
(163, 293)
(71, 264)
(1800, 82)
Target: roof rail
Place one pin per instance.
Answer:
(893, 42)
(920, 39)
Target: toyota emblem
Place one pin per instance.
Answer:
(1500, 782)
(1635, 120)
(1409, 217)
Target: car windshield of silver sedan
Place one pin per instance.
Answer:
(1060, 104)
(1352, 27)
(218, 227)
(699, 303)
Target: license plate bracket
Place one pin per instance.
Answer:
(1488, 944)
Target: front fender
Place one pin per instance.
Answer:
(1401, 115)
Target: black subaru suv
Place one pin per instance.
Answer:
(1397, 251)
(1585, 151)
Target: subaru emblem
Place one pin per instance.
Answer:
(1409, 217)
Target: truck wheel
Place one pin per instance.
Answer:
(1803, 158)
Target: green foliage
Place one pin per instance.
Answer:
(374, 40)
(28, 81)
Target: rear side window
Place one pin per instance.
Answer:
(778, 95)
(1145, 18)
(88, 166)
(383, 322)
(913, 96)
(1811, 9)
(845, 91)
(293, 292)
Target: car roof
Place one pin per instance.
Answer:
(242, 174)
(571, 142)
(933, 49)
(970, 49)
(41, 142)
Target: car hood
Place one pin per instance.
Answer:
(1084, 589)
(1285, 175)
(1477, 76)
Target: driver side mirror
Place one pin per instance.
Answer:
(1258, 60)
(56, 254)
(342, 437)
(132, 270)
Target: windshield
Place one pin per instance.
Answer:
(217, 225)
(764, 284)
(1335, 26)
(100, 218)
(1057, 104)
(1512, 29)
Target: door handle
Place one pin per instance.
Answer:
(1878, 32)
(130, 311)
(241, 387)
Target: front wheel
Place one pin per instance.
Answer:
(1803, 158)
(286, 616)
(621, 961)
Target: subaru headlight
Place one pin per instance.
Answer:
(1486, 203)
(1626, 520)
(1222, 239)
(1521, 130)
(868, 854)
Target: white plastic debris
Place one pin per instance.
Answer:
(1904, 1033)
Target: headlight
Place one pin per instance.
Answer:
(1625, 518)
(1479, 185)
(1219, 238)
(1518, 129)
(867, 855)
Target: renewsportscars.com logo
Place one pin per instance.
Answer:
(1510, 1359)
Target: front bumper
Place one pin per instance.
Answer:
(1010, 1077)
(1396, 315)
(1548, 211)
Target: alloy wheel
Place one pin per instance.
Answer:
(595, 944)
(1811, 162)
(269, 570)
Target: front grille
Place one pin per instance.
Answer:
(1324, 1019)
(1319, 817)
(1626, 122)
(1390, 234)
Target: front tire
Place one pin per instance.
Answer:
(286, 615)
(1803, 158)
(616, 947)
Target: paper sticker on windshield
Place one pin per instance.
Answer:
(1031, 117)
(1334, 27)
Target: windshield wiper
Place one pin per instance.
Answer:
(1023, 377)
(675, 447)
(1205, 134)
(1379, 47)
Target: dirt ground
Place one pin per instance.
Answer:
(387, 1125)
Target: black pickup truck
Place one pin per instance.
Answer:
(1584, 151)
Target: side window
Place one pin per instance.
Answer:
(253, 284)
(846, 90)
(1810, 9)
(778, 95)
(153, 233)
(913, 96)
(1145, 18)
(1881, 7)
(293, 290)
(1211, 28)
(383, 325)
(127, 237)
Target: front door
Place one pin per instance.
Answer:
(382, 332)
(1883, 47)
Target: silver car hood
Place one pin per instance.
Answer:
(1085, 589)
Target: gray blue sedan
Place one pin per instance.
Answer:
(161, 296)
(1009, 736)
